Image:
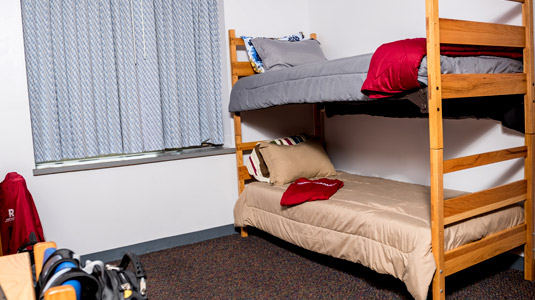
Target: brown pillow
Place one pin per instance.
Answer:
(288, 163)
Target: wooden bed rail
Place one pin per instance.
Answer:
(444, 212)
(467, 206)
(470, 254)
(481, 85)
(479, 33)
(477, 160)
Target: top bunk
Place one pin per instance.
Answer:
(481, 62)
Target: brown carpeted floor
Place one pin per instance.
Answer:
(263, 267)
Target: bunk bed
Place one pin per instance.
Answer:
(446, 209)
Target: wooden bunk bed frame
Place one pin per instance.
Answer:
(448, 86)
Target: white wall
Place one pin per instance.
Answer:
(93, 211)
(398, 148)
(347, 27)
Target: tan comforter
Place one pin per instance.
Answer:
(379, 223)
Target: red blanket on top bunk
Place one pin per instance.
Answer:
(394, 66)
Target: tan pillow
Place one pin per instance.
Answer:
(288, 163)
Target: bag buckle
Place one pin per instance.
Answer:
(114, 268)
(143, 286)
(125, 286)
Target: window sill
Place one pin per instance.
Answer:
(128, 160)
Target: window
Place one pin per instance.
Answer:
(122, 76)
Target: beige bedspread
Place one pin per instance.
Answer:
(379, 223)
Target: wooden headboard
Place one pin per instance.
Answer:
(241, 68)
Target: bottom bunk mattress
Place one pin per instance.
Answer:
(379, 223)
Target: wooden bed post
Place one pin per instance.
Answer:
(239, 151)
(318, 115)
(529, 99)
(233, 55)
(239, 161)
(237, 119)
(318, 123)
(435, 146)
(236, 116)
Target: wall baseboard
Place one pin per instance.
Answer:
(161, 244)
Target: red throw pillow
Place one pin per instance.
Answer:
(303, 190)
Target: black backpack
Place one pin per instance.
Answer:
(118, 282)
(50, 276)
(98, 281)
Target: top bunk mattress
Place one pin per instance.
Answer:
(380, 223)
(341, 80)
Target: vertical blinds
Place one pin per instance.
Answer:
(122, 76)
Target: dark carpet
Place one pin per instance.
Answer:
(264, 267)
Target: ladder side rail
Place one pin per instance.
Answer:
(529, 119)
(435, 145)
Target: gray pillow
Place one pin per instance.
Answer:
(277, 54)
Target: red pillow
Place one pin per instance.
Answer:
(394, 68)
(303, 190)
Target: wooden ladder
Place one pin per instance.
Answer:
(444, 212)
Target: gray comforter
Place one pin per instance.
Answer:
(340, 80)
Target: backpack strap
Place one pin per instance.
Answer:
(32, 240)
(90, 287)
(138, 268)
(52, 262)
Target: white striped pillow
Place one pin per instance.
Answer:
(255, 163)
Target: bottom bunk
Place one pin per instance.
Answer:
(379, 223)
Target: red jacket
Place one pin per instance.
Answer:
(18, 215)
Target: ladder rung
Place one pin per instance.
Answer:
(477, 160)
(470, 254)
(246, 146)
(477, 33)
(238, 41)
(480, 85)
(521, 1)
(466, 206)
(242, 68)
